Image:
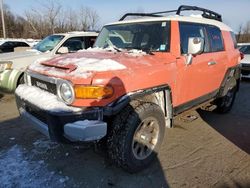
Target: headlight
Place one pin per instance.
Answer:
(66, 92)
(93, 92)
(5, 65)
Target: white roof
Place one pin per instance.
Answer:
(193, 19)
(243, 44)
(78, 33)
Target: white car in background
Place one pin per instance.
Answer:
(245, 62)
(12, 65)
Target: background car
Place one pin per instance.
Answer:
(245, 62)
(9, 46)
(12, 65)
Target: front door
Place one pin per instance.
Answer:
(200, 78)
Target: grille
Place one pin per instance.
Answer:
(49, 87)
(245, 65)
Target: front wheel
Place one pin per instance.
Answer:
(225, 104)
(21, 80)
(136, 136)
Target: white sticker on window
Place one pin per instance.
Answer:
(163, 47)
(164, 24)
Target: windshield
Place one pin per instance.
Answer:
(48, 43)
(147, 36)
(245, 49)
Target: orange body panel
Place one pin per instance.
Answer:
(187, 82)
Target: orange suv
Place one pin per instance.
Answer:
(126, 90)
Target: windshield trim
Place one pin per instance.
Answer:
(168, 23)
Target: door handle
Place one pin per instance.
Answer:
(211, 63)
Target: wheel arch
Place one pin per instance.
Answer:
(231, 79)
(160, 95)
(19, 78)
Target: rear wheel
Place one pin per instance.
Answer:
(136, 136)
(225, 104)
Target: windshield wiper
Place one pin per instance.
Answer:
(111, 47)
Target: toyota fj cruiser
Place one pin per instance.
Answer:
(127, 89)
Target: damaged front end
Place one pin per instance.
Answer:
(39, 104)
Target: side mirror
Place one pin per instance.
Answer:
(195, 47)
(63, 50)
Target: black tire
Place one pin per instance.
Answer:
(21, 80)
(129, 124)
(225, 104)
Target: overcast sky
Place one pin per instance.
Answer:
(234, 12)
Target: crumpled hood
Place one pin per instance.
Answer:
(81, 67)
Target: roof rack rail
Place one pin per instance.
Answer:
(206, 13)
(138, 14)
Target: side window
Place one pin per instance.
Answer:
(7, 44)
(21, 44)
(234, 39)
(188, 30)
(89, 41)
(74, 44)
(215, 39)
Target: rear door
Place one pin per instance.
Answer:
(218, 55)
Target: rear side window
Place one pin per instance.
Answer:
(234, 39)
(89, 41)
(74, 44)
(17, 44)
(215, 39)
(188, 30)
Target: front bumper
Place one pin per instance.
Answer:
(8, 80)
(86, 125)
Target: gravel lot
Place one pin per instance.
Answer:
(210, 151)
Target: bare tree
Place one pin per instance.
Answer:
(89, 18)
(49, 18)
(52, 9)
(43, 21)
(93, 19)
(239, 32)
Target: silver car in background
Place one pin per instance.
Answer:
(245, 62)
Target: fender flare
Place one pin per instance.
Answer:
(115, 107)
(231, 79)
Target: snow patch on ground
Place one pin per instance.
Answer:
(43, 99)
(42, 146)
(18, 170)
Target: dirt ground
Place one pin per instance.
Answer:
(210, 151)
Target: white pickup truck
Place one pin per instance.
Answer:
(12, 65)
